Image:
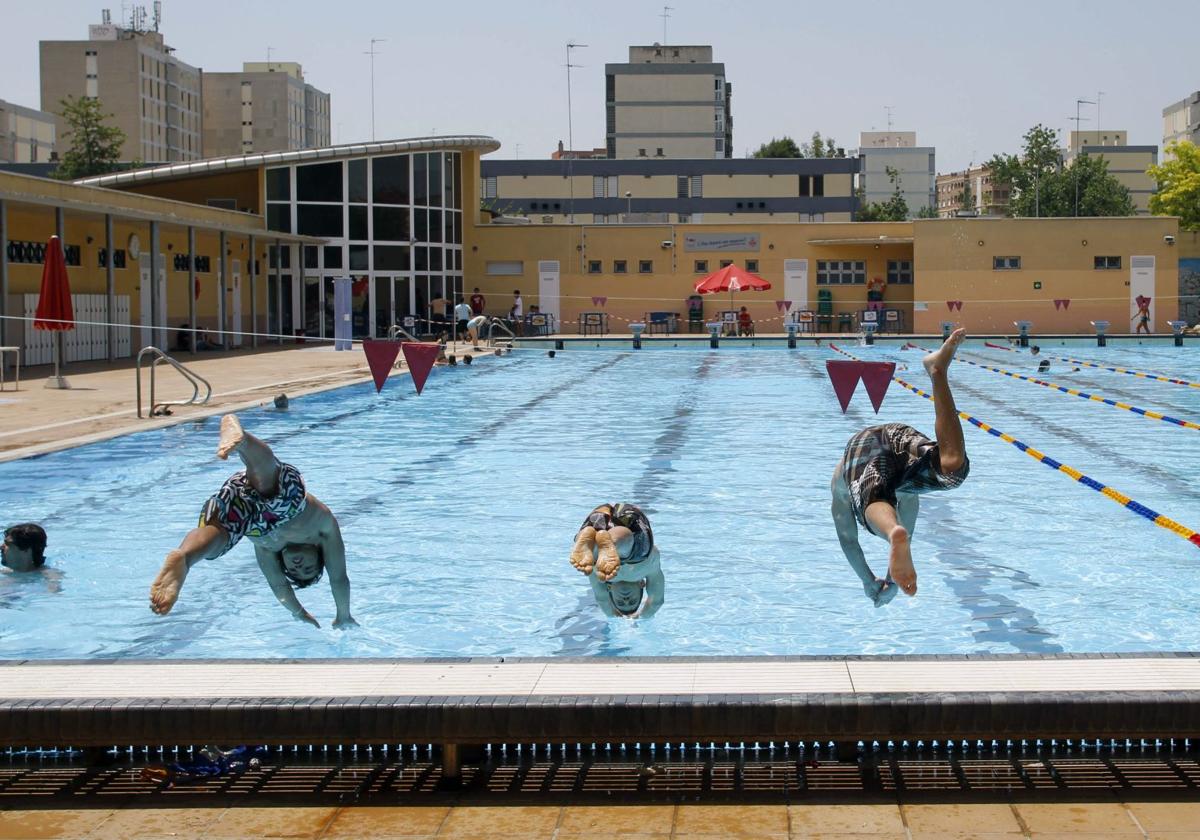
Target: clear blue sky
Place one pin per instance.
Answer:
(969, 77)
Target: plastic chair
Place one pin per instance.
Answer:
(695, 307)
(845, 322)
(824, 310)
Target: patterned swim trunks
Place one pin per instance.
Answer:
(631, 516)
(881, 461)
(243, 512)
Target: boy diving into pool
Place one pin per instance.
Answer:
(882, 472)
(615, 549)
(295, 536)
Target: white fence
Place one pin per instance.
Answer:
(87, 341)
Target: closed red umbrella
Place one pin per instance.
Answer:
(732, 278)
(54, 310)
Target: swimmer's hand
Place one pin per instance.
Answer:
(305, 615)
(343, 623)
(880, 591)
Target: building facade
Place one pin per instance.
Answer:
(973, 192)
(759, 190)
(1181, 120)
(1128, 164)
(153, 96)
(668, 102)
(884, 154)
(27, 135)
(267, 107)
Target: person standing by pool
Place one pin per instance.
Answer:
(475, 328)
(883, 470)
(477, 302)
(462, 314)
(615, 549)
(295, 536)
(517, 313)
(1143, 305)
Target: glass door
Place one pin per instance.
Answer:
(385, 306)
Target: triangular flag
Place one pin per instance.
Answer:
(787, 304)
(420, 357)
(381, 355)
(603, 301)
(876, 377)
(844, 376)
(958, 305)
(595, 301)
(1066, 303)
(950, 305)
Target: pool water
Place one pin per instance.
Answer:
(459, 507)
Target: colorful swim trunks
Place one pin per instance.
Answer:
(605, 517)
(239, 509)
(882, 461)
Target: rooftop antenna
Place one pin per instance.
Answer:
(1077, 120)
(570, 134)
(106, 16)
(1099, 94)
(371, 52)
(889, 109)
(157, 14)
(269, 49)
(666, 14)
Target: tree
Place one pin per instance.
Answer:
(895, 209)
(821, 147)
(95, 147)
(1042, 187)
(784, 147)
(1178, 185)
(927, 212)
(967, 198)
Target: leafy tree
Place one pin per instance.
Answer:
(821, 147)
(1041, 186)
(967, 198)
(927, 212)
(1178, 185)
(895, 209)
(784, 147)
(95, 147)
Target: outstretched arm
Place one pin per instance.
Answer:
(335, 564)
(656, 587)
(847, 531)
(600, 593)
(272, 568)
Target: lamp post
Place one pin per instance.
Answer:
(1078, 102)
(570, 137)
(628, 204)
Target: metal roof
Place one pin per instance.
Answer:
(482, 143)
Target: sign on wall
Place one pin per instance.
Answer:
(721, 242)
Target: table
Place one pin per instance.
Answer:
(593, 322)
(16, 351)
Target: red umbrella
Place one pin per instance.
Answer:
(54, 310)
(732, 278)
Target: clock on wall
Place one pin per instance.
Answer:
(135, 246)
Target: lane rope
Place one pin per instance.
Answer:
(1115, 495)
(1140, 374)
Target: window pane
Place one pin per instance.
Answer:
(457, 182)
(391, 224)
(279, 186)
(333, 256)
(310, 256)
(279, 217)
(319, 220)
(391, 258)
(319, 182)
(448, 181)
(420, 178)
(359, 258)
(435, 259)
(435, 180)
(358, 223)
(390, 179)
(435, 225)
(422, 259)
(421, 228)
(358, 180)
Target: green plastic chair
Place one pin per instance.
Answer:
(824, 310)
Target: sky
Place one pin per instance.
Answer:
(969, 77)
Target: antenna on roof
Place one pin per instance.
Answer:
(106, 16)
(157, 14)
(666, 14)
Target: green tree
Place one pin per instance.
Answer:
(784, 147)
(927, 212)
(895, 209)
(967, 198)
(1178, 185)
(95, 148)
(1041, 186)
(821, 147)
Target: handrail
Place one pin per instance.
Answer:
(496, 322)
(193, 378)
(396, 330)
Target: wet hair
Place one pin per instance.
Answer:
(550, 353)
(296, 580)
(617, 607)
(467, 359)
(31, 537)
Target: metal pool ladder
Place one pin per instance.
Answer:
(492, 325)
(395, 331)
(195, 379)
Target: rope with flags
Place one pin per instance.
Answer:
(1115, 495)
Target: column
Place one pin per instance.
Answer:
(153, 319)
(192, 287)
(222, 267)
(250, 266)
(110, 287)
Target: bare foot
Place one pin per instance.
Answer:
(231, 436)
(939, 360)
(610, 561)
(582, 556)
(164, 592)
(900, 564)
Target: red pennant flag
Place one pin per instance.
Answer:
(844, 376)
(420, 357)
(1066, 303)
(381, 355)
(876, 377)
(603, 301)
(595, 301)
(950, 305)
(958, 305)
(787, 304)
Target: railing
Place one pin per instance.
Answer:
(195, 379)
(395, 331)
(493, 324)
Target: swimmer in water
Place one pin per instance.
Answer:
(615, 549)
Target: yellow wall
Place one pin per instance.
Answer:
(740, 186)
(953, 260)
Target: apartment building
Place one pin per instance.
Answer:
(971, 191)
(1181, 120)
(884, 153)
(27, 135)
(1128, 164)
(267, 107)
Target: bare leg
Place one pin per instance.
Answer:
(952, 451)
(882, 518)
(582, 555)
(262, 468)
(200, 543)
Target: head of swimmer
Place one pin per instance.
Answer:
(626, 597)
(24, 547)
(302, 564)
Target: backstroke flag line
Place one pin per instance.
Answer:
(420, 357)
(876, 376)
(381, 355)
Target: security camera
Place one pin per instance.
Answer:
(1169, 239)
(667, 243)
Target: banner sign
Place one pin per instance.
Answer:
(721, 242)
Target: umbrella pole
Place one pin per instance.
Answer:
(57, 381)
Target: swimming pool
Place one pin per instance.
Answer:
(458, 509)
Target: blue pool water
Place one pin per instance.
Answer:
(459, 507)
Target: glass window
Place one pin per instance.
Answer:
(279, 184)
(319, 182)
(1006, 263)
(899, 272)
(752, 265)
(358, 223)
(359, 258)
(422, 259)
(391, 224)
(456, 233)
(818, 185)
(319, 220)
(435, 226)
(435, 259)
(421, 225)
(279, 217)
(1107, 263)
(358, 180)
(701, 266)
(594, 266)
(311, 257)
(448, 181)
(645, 266)
(421, 179)
(391, 258)
(435, 180)
(620, 267)
(389, 179)
(333, 256)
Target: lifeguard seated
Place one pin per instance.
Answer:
(745, 323)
